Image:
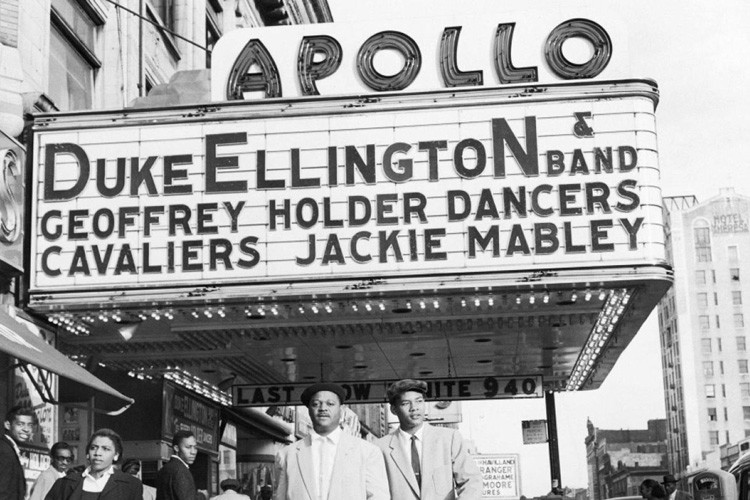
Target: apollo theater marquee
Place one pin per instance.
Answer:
(468, 200)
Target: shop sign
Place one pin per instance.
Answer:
(185, 412)
(12, 164)
(500, 475)
(448, 389)
(534, 431)
(469, 182)
(502, 47)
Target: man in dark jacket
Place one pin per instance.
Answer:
(174, 481)
(19, 427)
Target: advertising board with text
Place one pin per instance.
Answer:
(374, 391)
(464, 182)
(500, 475)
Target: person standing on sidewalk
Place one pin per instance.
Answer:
(425, 462)
(19, 427)
(61, 458)
(174, 481)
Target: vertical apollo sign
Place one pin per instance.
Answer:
(438, 182)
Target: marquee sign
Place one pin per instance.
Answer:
(374, 391)
(448, 182)
(503, 47)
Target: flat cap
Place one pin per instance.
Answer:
(396, 389)
(230, 484)
(669, 478)
(311, 391)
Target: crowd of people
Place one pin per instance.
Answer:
(415, 461)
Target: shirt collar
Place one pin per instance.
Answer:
(109, 472)
(405, 436)
(334, 436)
(15, 445)
(181, 460)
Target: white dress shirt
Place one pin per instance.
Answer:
(405, 439)
(323, 454)
(94, 485)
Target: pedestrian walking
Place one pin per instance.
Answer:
(61, 459)
(651, 490)
(19, 427)
(230, 491)
(670, 486)
(100, 480)
(329, 464)
(132, 466)
(425, 462)
(174, 481)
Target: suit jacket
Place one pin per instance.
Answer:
(44, 483)
(174, 481)
(448, 472)
(120, 486)
(12, 480)
(358, 472)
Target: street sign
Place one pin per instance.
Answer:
(374, 391)
(534, 431)
(501, 476)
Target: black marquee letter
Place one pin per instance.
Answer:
(309, 70)
(51, 151)
(389, 40)
(241, 81)
(506, 72)
(452, 76)
(578, 28)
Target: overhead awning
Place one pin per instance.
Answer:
(18, 341)
(259, 422)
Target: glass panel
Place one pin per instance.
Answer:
(71, 78)
(77, 19)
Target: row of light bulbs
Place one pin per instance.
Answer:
(605, 325)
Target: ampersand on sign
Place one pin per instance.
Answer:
(581, 128)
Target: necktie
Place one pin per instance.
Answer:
(415, 461)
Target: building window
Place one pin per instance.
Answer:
(703, 322)
(713, 276)
(742, 364)
(700, 277)
(703, 300)
(726, 414)
(723, 391)
(73, 61)
(741, 346)
(165, 11)
(734, 273)
(718, 323)
(737, 298)
(721, 368)
(716, 299)
(213, 27)
(733, 253)
(739, 320)
(702, 235)
(712, 414)
(713, 438)
(708, 368)
(746, 412)
(710, 391)
(718, 345)
(745, 389)
(706, 345)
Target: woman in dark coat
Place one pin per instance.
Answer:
(100, 480)
(652, 490)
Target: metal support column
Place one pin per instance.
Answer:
(554, 454)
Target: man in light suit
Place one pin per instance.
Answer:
(670, 485)
(425, 462)
(329, 464)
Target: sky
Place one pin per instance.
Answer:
(698, 52)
